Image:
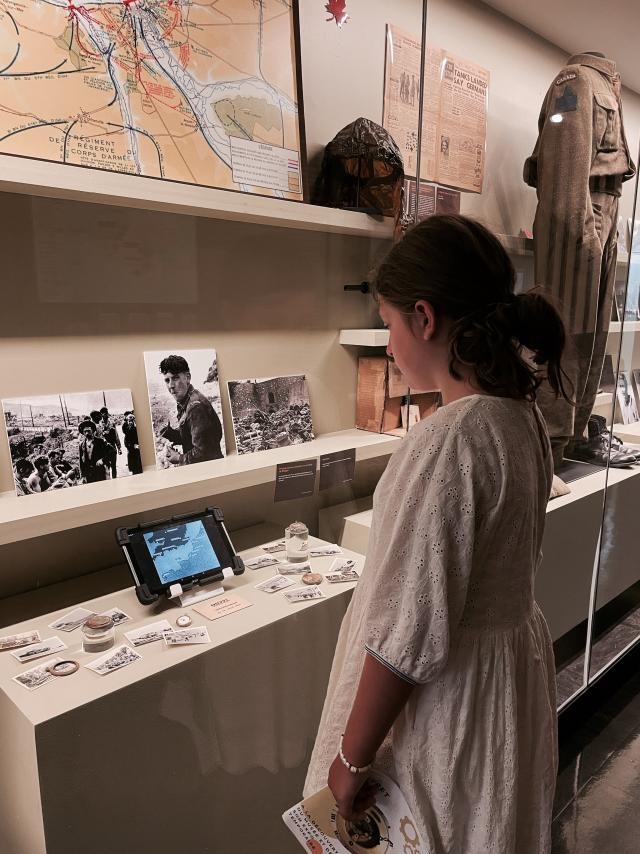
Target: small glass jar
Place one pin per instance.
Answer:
(98, 633)
(296, 541)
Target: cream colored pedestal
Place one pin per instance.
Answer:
(193, 750)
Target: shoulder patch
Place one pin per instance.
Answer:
(567, 102)
(564, 78)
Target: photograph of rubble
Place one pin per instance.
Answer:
(270, 413)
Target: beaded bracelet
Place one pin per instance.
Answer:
(353, 768)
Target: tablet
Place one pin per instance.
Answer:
(186, 550)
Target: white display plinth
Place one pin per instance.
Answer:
(193, 749)
(569, 548)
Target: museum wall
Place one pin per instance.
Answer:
(87, 288)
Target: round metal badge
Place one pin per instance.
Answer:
(183, 621)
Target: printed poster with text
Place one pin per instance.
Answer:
(454, 126)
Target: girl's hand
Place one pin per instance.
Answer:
(352, 792)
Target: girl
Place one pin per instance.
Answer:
(444, 672)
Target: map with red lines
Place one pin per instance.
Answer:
(199, 92)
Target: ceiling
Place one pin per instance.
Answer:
(609, 26)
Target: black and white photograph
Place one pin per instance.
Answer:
(636, 383)
(71, 621)
(270, 413)
(36, 676)
(303, 594)
(39, 650)
(194, 634)
(626, 399)
(260, 562)
(19, 640)
(273, 585)
(119, 657)
(323, 551)
(117, 615)
(274, 548)
(62, 440)
(148, 634)
(286, 567)
(342, 577)
(343, 564)
(186, 409)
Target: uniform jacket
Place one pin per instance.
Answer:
(199, 429)
(581, 149)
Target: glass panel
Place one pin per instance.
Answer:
(529, 173)
(616, 617)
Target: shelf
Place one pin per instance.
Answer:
(516, 245)
(605, 398)
(628, 433)
(79, 183)
(51, 512)
(364, 337)
(615, 327)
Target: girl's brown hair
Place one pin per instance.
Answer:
(459, 267)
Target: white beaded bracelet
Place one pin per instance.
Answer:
(353, 768)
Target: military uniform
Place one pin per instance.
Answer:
(578, 166)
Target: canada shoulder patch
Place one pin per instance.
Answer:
(566, 77)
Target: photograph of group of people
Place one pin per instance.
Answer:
(63, 440)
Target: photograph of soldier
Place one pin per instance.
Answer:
(187, 421)
(270, 413)
(131, 443)
(46, 434)
(110, 435)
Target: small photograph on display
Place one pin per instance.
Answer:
(36, 676)
(636, 383)
(626, 399)
(119, 657)
(270, 413)
(62, 440)
(186, 410)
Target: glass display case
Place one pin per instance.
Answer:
(175, 200)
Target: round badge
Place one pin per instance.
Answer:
(312, 578)
(183, 621)
(63, 668)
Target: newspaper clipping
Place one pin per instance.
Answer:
(454, 125)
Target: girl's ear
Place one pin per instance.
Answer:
(426, 319)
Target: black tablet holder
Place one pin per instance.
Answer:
(203, 586)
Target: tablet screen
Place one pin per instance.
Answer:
(181, 551)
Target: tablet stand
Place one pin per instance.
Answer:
(196, 594)
(204, 585)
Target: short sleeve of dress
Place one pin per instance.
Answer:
(425, 542)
